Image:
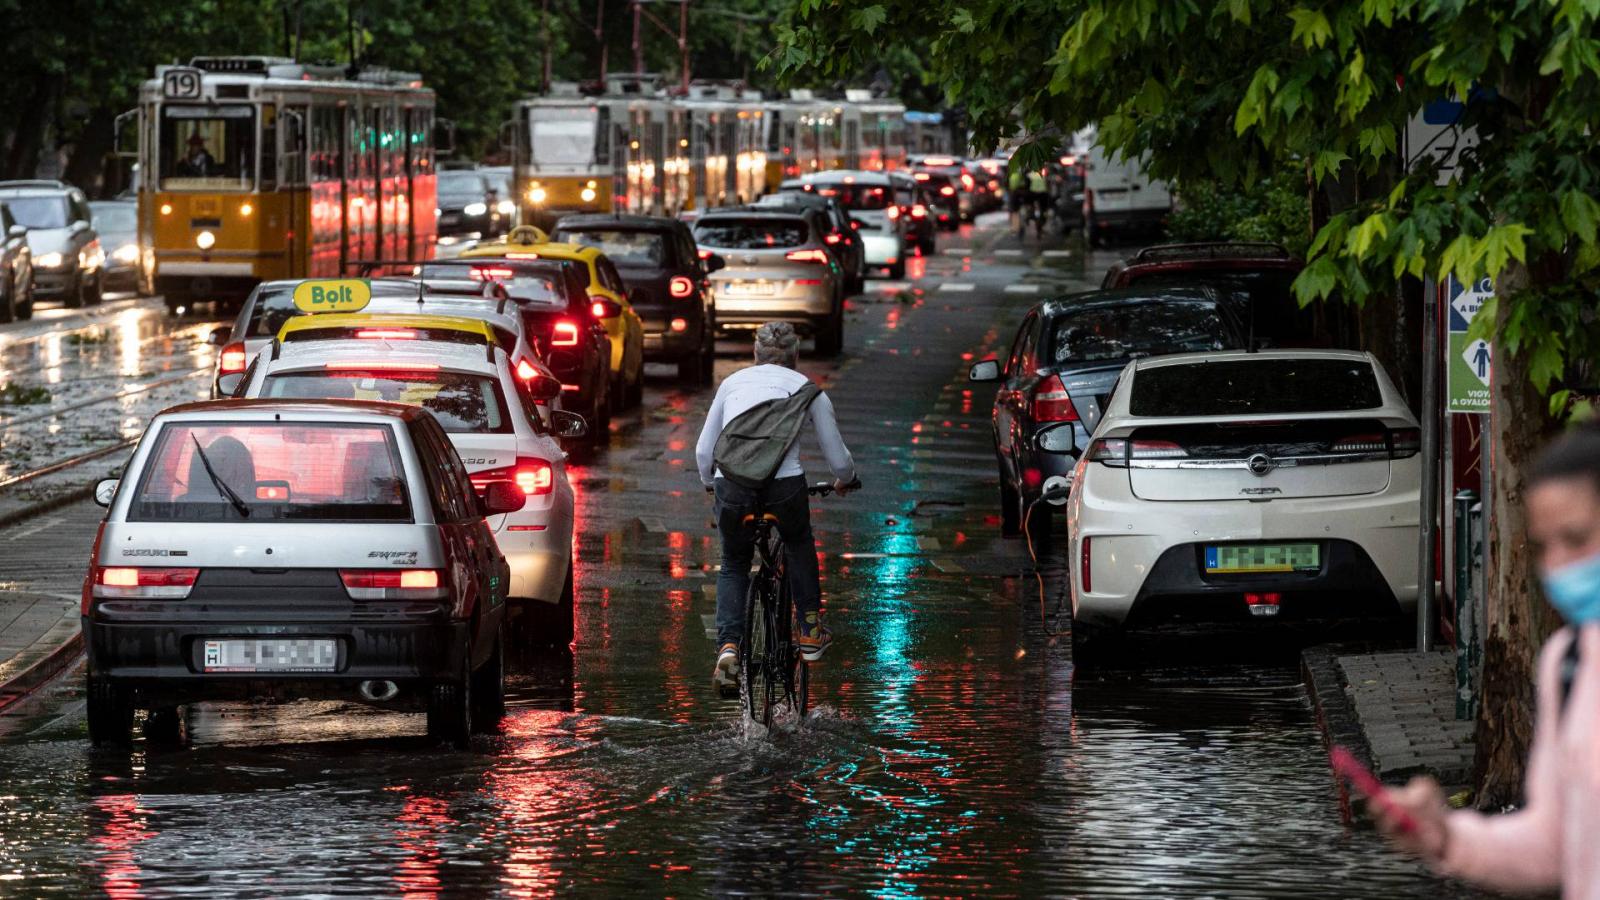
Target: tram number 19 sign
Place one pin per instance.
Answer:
(181, 84)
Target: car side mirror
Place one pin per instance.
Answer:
(105, 491)
(568, 424)
(228, 384)
(17, 231)
(715, 263)
(219, 336)
(985, 370)
(503, 497)
(1056, 438)
(543, 388)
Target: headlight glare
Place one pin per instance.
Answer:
(127, 253)
(475, 209)
(205, 240)
(50, 261)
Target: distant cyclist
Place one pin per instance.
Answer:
(772, 378)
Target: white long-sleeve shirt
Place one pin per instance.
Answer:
(758, 384)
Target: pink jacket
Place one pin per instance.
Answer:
(1554, 840)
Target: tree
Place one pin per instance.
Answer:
(1230, 89)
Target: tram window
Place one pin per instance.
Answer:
(208, 147)
(774, 131)
(326, 162)
(602, 152)
(562, 135)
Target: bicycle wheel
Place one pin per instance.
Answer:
(756, 681)
(787, 658)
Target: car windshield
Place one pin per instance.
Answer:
(114, 218)
(1126, 330)
(857, 196)
(272, 471)
(1254, 387)
(208, 148)
(462, 184)
(272, 308)
(39, 212)
(750, 234)
(522, 283)
(463, 403)
(625, 247)
(561, 136)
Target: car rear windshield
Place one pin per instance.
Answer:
(377, 331)
(267, 315)
(463, 403)
(751, 233)
(1255, 387)
(858, 196)
(272, 471)
(627, 247)
(39, 212)
(522, 283)
(1138, 329)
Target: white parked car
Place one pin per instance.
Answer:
(492, 420)
(1235, 485)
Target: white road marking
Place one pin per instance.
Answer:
(1022, 289)
(890, 285)
(957, 251)
(1057, 253)
(958, 286)
(1008, 252)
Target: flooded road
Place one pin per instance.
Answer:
(952, 750)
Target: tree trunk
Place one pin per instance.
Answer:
(1517, 618)
(23, 160)
(87, 166)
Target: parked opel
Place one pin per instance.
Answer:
(275, 549)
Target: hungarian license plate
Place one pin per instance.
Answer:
(754, 288)
(449, 219)
(271, 655)
(1233, 559)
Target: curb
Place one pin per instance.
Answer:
(65, 498)
(1336, 720)
(47, 667)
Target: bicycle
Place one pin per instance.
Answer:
(772, 672)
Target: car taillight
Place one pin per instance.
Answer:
(1361, 443)
(1051, 403)
(918, 211)
(833, 238)
(704, 253)
(680, 286)
(947, 191)
(387, 334)
(966, 182)
(598, 309)
(535, 477)
(526, 370)
(1400, 443)
(892, 212)
(1118, 451)
(1406, 442)
(484, 273)
(393, 584)
(813, 255)
(233, 358)
(564, 334)
(130, 583)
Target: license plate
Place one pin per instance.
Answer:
(1233, 559)
(754, 288)
(449, 219)
(271, 655)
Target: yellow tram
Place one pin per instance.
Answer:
(259, 168)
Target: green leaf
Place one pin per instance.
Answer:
(1580, 214)
(1504, 241)
(1317, 280)
(1311, 27)
(868, 18)
(1240, 11)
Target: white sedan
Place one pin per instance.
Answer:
(1246, 485)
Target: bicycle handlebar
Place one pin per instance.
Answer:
(820, 489)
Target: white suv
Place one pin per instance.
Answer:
(1236, 485)
(494, 424)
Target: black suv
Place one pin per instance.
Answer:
(667, 284)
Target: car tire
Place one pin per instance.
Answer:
(898, 270)
(1010, 520)
(450, 707)
(635, 391)
(24, 303)
(165, 726)
(75, 298)
(110, 713)
(96, 293)
(8, 302)
(830, 337)
(489, 689)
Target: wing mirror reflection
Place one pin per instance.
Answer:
(1056, 438)
(105, 491)
(503, 497)
(568, 424)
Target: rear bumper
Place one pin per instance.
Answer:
(162, 662)
(813, 306)
(662, 344)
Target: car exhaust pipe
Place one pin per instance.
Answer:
(378, 691)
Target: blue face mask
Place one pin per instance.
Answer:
(1574, 590)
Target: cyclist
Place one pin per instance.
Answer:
(1016, 198)
(1038, 199)
(773, 377)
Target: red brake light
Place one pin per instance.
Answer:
(598, 309)
(1083, 566)
(565, 334)
(484, 273)
(127, 582)
(813, 255)
(233, 358)
(387, 334)
(833, 238)
(393, 584)
(966, 182)
(1051, 403)
(535, 477)
(922, 176)
(893, 212)
(947, 191)
(389, 366)
(525, 370)
(680, 286)
(1406, 442)
(523, 255)
(918, 211)
(704, 253)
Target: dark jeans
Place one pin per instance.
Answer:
(785, 498)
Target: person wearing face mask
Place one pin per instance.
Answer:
(1552, 842)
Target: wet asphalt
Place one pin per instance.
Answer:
(952, 749)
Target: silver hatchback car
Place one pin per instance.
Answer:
(260, 549)
(779, 269)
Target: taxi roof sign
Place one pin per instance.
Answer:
(333, 295)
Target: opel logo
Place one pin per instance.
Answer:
(1260, 464)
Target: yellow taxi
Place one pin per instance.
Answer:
(623, 326)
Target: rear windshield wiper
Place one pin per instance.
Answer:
(222, 486)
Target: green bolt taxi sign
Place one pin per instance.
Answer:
(333, 295)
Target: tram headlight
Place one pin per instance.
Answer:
(127, 253)
(166, 209)
(205, 240)
(536, 194)
(587, 195)
(475, 209)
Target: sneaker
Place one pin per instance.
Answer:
(814, 637)
(726, 674)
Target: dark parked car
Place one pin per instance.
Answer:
(559, 322)
(1257, 277)
(668, 284)
(127, 267)
(469, 204)
(846, 244)
(16, 269)
(1063, 364)
(944, 194)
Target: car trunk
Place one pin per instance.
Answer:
(762, 273)
(649, 290)
(1222, 459)
(1090, 390)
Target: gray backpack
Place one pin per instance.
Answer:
(753, 445)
